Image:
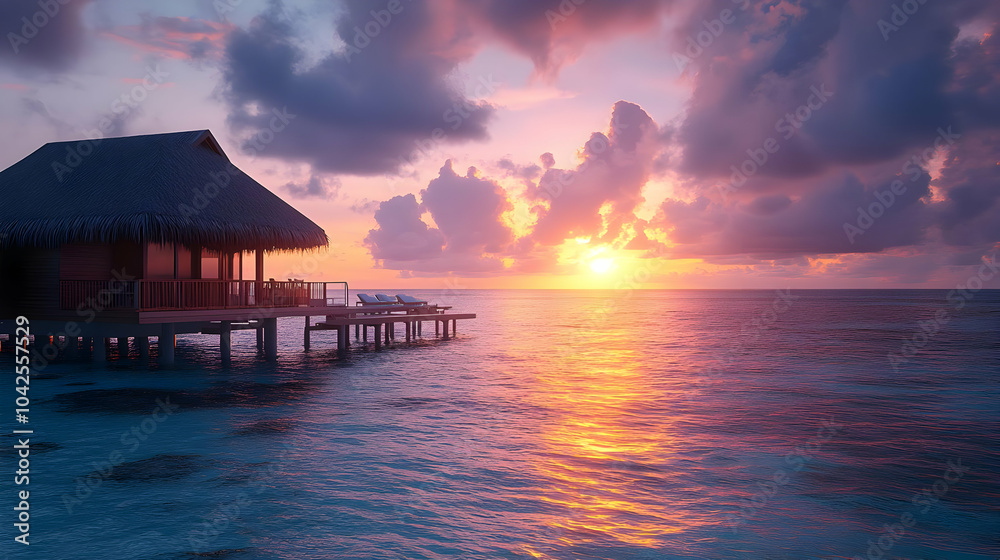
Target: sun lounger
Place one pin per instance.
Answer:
(403, 298)
(366, 300)
(386, 299)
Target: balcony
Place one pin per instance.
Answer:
(167, 295)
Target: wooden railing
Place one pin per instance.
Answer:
(151, 295)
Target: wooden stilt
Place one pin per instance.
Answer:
(71, 348)
(122, 347)
(305, 335)
(142, 342)
(271, 339)
(444, 327)
(343, 333)
(226, 342)
(364, 333)
(378, 337)
(260, 338)
(437, 326)
(166, 343)
(407, 332)
(100, 353)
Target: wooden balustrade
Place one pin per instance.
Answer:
(153, 295)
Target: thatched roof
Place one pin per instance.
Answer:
(142, 188)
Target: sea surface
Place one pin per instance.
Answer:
(558, 424)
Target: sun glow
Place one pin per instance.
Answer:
(602, 265)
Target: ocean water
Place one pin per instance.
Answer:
(559, 424)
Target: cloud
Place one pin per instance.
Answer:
(39, 39)
(812, 223)
(760, 75)
(369, 109)
(182, 38)
(471, 236)
(401, 236)
(469, 211)
(600, 196)
(315, 187)
(553, 33)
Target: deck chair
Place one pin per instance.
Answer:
(403, 298)
(386, 299)
(365, 299)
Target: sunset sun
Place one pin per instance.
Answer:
(602, 265)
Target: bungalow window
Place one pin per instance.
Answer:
(159, 261)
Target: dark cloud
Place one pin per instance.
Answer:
(554, 32)
(970, 182)
(888, 95)
(36, 38)
(316, 187)
(369, 109)
(777, 226)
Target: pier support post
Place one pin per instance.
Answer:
(143, 343)
(444, 328)
(100, 353)
(437, 326)
(408, 329)
(260, 338)
(165, 343)
(378, 336)
(122, 345)
(388, 333)
(357, 331)
(305, 335)
(343, 333)
(271, 339)
(71, 348)
(226, 342)
(364, 333)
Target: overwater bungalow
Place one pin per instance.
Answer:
(145, 236)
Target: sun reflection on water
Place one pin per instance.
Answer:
(599, 458)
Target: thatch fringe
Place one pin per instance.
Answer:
(210, 234)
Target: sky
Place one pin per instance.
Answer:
(559, 143)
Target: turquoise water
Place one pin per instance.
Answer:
(559, 424)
